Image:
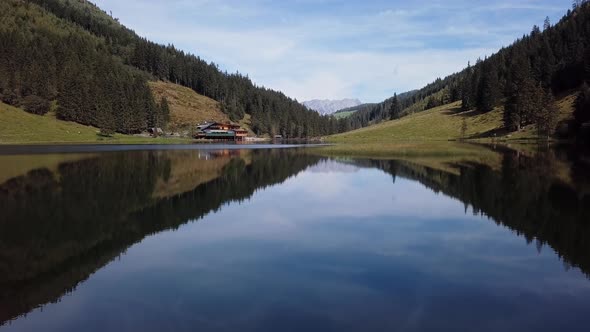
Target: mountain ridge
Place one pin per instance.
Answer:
(331, 106)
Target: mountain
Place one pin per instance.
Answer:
(73, 58)
(327, 107)
(521, 81)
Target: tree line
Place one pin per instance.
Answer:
(271, 111)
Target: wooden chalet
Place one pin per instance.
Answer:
(221, 131)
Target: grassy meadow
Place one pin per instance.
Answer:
(433, 132)
(20, 127)
(187, 108)
(437, 124)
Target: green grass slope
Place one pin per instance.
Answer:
(187, 108)
(20, 127)
(429, 132)
(440, 123)
(445, 123)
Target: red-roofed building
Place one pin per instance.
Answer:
(221, 131)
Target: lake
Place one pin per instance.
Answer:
(229, 238)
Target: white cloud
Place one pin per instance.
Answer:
(338, 75)
(315, 54)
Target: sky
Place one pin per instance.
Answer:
(329, 49)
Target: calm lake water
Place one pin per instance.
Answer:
(228, 239)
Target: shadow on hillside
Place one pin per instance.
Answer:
(496, 132)
(457, 111)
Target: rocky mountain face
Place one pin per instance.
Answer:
(325, 107)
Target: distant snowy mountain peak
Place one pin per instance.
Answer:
(326, 106)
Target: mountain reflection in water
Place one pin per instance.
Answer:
(65, 221)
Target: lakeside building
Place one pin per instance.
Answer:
(221, 131)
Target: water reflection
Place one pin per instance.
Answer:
(539, 196)
(60, 226)
(336, 246)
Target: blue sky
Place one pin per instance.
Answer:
(337, 49)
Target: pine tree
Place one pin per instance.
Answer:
(575, 4)
(106, 119)
(488, 88)
(69, 100)
(535, 31)
(545, 115)
(547, 62)
(475, 81)
(467, 102)
(164, 111)
(151, 110)
(523, 97)
(431, 103)
(136, 99)
(36, 105)
(582, 106)
(395, 108)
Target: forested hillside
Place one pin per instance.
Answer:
(44, 59)
(73, 57)
(97, 70)
(522, 79)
